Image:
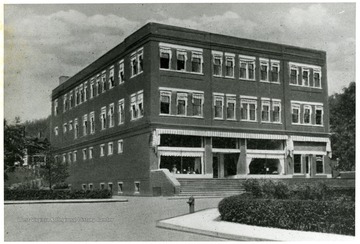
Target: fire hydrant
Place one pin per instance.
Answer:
(191, 203)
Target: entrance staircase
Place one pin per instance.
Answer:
(210, 187)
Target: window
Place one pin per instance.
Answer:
(110, 186)
(83, 187)
(137, 186)
(137, 62)
(294, 75)
(85, 91)
(64, 127)
(317, 78)
(295, 108)
(102, 150)
(305, 76)
(69, 157)
(76, 128)
(92, 88)
(64, 103)
(91, 152)
(120, 187)
(120, 146)
(85, 125)
(56, 107)
(165, 102)
(230, 107)
(275, 70)
(77, 97)
(319, 115)
(218, 106)
(121, 72)
(110, 148)
(181, 60)
(103, 81)
(140, 57)
(276, 107)
(307, 114)
(165, 58)
(84, 153)
(181, 103)
(229, 65)
(248, 109)
(92, 122)
(264, 69)
(74, 156)
(265, 110)
(98, 85)
(103, 118)
(197, 103)
(196, 62)
(121, 111)
(56, 131)
(91, 187)
(111, 115)
(134, 66)
(111, 77)
(319, 164)
(64, 158)
(81, 93)
(297, 164)
(137, 109)
(217, 63)
(247, 67)
(70, 125)
(71, 99)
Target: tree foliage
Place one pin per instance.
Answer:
(38, 128)
(14, 146)
(342, 126)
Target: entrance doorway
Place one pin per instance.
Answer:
(225, 164)
(263, 166)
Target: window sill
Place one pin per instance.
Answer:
(270, 82)
(253, 121)
(244, 79)
(308, 125)
(295, 85)
(218, 118)
(182, 71)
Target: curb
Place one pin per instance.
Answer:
(64, 201)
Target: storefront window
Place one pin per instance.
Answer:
(181, 165)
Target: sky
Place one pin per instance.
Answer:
(43, 42)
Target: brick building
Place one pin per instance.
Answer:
(170, 102)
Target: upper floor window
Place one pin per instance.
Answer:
(248, 109)
(77, 97)
(64, 103)
(92, 122)
(121, 111)
(103, 81)
(319, 115)
(165, 58)
(294, 75)
(197, 102)
(120, 146)
(217, 63)
(310, 75)
(305, 77)
(181, 103)
(230, 107)
(76, 128)
(85, 91)
(229, 65)
(98, 85)
(92, 88)
(317, 78)
(265, 110)
(74, 156)
(69, 157)
(85, 124)
(56, 131)
(196, 62)
(137, 109)
(71, 99)
(70, 125)
(64, 127)
(102, 150)
(218, 106)
(247, 67)
(91, 152)
(84, 153)
(307, 114)
(103, 118)
(181, 60)
(110, 148)
(264, 69)
(64, 158)
(121, 72)
(275, 71)
(136, 59)
(81, 93)
(56, 107)
(111, 115)
(165, 102)
(111, 77)
(276, 108)
(295, 108)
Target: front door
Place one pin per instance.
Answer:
(215, 165)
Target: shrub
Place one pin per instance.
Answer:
(264, 188)
(31, 194)
(319, 216)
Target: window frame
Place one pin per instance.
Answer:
(92, 122)
(111, 75)
(230, 56)
(307, 107)
(197, 54)
(103, 118)
(264, 63)
(218, 98)
(319, 108)
(120, 149)
(181, 96)
(91, 152)
(76, 128)
(167, 51)
(296, 106)
(243, 59)
(121, 108)
(317, 71)
(322, 164)
(110, 148)
(74, 156)
(274, 63)
(85, 124)
(230, 99)
(201, 97)
(102, 150)
(265, 103)
(121, 70)
(296, 68)
(178, 53)
(84, 153)
(276, 103)
(111, 114)
(216, 55)
(165, 94)
(247, 101)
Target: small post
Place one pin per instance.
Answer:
(191, 203)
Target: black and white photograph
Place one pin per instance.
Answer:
(179, 121)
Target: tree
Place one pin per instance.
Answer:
(14, 146)
(53, 171)
(38, 127)
(342, 126)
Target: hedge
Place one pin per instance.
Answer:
(307, 215)
(32, 194)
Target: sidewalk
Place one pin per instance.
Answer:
(66, 201)
(207, 222)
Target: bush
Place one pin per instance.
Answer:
(319, 216)
(31, 194)
(267, 188)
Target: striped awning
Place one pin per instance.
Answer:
(181, 153)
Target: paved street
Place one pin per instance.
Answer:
(130, 221)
